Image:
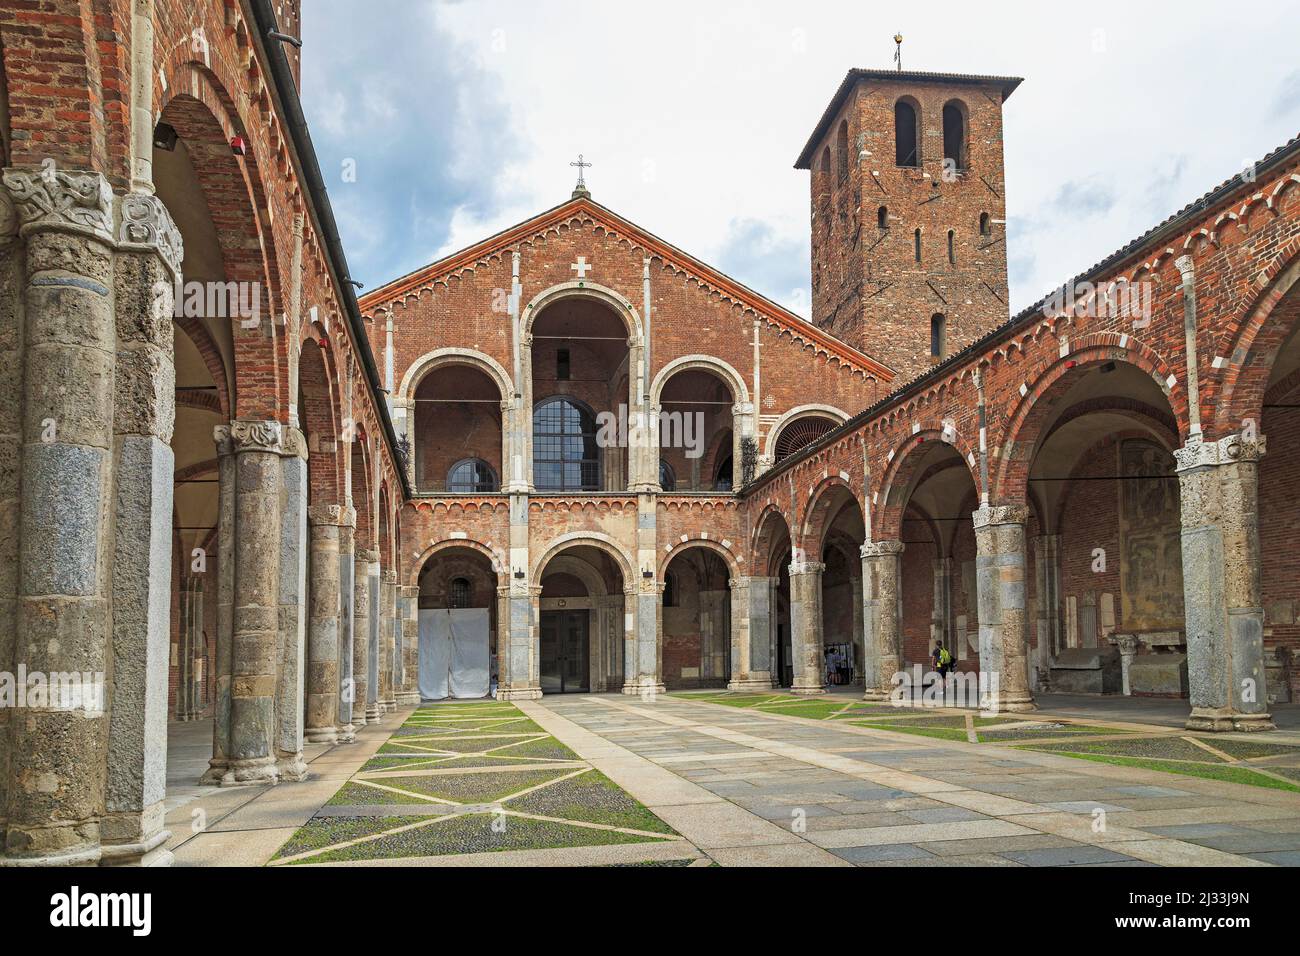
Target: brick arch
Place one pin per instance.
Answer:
(318, 387)
(616, 303)
(761, 545)
(1053, 519)
(591, 539)
(814, 521)
(1267, 322)
(422, 560)
(1024, 428)
(720, 369)
(205, 116)
(441, 358)
(731, 559)
(886, 524)
(362, 500)
(196, 332)
(385, 530)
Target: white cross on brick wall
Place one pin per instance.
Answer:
(582, 267)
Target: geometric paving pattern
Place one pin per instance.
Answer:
(467, 777)
(1232, 759)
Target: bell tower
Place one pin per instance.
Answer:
(909, 260)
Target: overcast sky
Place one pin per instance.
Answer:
(461, 118)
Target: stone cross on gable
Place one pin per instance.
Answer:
(582, 267)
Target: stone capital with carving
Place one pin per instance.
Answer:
(75, 201)
(389, 576)
(294, 443)
(145, 225)
(367, 555)
(325, 514)
(221, 438)
(806, 567)
(1226, 451)
(265, 436)
(994, 515)
(879, 549)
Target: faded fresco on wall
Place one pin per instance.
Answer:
(1151, 577)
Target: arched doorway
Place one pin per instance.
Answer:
(696, 620)
(580, 622)
(459, 582)
(772, 554)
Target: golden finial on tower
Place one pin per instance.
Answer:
(898, 52)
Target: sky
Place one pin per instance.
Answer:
(438, 123)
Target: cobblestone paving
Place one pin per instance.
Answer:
(466, 778)
(874, 797)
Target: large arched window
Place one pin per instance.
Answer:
(907, 127)
(667, 479)
(565, 456)
(471, 476)
(954, 134)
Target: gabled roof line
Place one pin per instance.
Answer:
(778, 314)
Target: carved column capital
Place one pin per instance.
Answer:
(806, 567)
(878, 549)
(1226, 451)
(993, 515)
(265, 436)
(325, 514)
(145, 225)
(73, 201)
(294, 443)
(221, 438)
(368, 555)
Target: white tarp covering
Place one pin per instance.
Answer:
(454, 659)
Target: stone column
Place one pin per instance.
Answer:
(323, 624)
(941, 605)
(347, 684)
(57, 752)
(293, 607)
(258, 446)
(806, 652)
(388, 663)
(751, 637)
(881, 624)
(408, 598)
(1000, 586)
(149, 257)
(517, 664)
(364, 560)
(219, 771)
(1128, 648)
(374, 706)
(1218, 491)
(1047, 581)
(643, 638)
(12, 256)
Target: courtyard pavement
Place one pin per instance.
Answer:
(736, 785)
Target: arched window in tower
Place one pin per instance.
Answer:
(952, 248)
(842, 152)
(916, 244)
(471, 476)
(907, 128)
(938, 330)
(458, 595)
(882, 218)
(667, 478)
(954, 134)
(565, 455)
(986, 224)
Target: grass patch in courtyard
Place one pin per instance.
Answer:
(592, 798)
(1207, 771)
(321, 833)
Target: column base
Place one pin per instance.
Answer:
(409, 698)
(519, 693)
(1020, 704)
(358, 722)
(373, 713)
(322, 735)
(292, 768)
(876, 695)
(1226, 720)
(149, 852)
(217, 772)
(347, 734)
(644, 687)
(76, 856)
(257, 772)
(750, 683)
(390, 705)
(807, 690)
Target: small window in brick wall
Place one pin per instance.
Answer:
(938, 326)
(952, 249)
(459, 595)
(916, 238)
(882, 218)
(562, 365)
(986, 224)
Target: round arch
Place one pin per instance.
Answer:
(439, 358)
(902, 470)
(584, 290)
(580, 569)
(594, 539)
(1024, 429)
(794, 415)
(421, 558)
(731, 560)
(813, 526)
(771, 519)
(707, 363)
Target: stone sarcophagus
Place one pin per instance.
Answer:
(1159, 668)
(1087, 670)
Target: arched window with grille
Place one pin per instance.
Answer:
(565, 454)
(472, 476)
(802, 432)
(458, 595)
